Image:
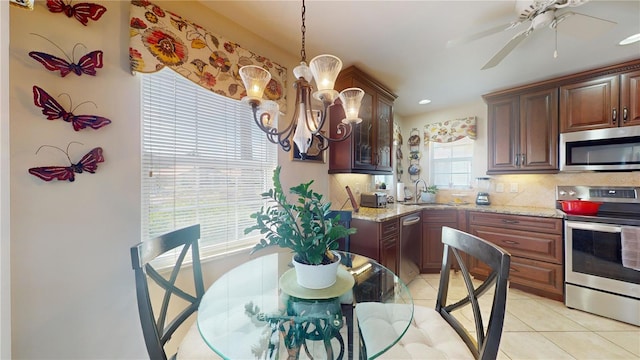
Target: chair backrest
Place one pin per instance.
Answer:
(157, 329)
(456, 244)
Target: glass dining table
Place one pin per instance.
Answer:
(257, 311)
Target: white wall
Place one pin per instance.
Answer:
(477, 108)
(5, 279)
(72, 284)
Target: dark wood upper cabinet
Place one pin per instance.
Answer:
(368, 149)
(523, 133)
(603, 102)
(630, 98)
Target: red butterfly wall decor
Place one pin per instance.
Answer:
(87, 64)
(88, 163)
(82, 11)
(53, 110)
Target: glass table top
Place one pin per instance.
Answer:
(246, 314)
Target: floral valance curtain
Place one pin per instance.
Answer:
(450, 130)
(160, 38)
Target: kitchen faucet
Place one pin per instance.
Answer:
(425, 188)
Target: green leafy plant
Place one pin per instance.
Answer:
(432, 189)
(303, 226)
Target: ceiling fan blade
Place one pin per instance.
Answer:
(497, 58)
(480, 35)
(582, 26)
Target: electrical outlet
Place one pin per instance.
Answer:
(514, 187)
(499, 187)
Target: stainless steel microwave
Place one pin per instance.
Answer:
(612, 149)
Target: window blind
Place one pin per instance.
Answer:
(451, 163)
(203, 161)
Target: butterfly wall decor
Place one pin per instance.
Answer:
(88, 163)
(53, 110)
(87, 64)
(83, 12)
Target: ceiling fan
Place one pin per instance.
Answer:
(539, 14)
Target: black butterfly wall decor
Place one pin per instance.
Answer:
(83, 12)
(87, 64)
(53, 110)
(88, 163)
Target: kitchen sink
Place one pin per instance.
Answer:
(428, 204)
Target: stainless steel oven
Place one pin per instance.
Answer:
(595, 279)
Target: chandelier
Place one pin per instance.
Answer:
(306, 124)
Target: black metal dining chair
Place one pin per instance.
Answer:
(441, 332)
(159, 326)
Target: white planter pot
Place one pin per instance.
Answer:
(427, 197)
(316, 276)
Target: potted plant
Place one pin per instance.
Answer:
(304, 226)
(429, 195)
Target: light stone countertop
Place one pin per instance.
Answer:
(399, 209)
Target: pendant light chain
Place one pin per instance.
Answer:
(303, 28)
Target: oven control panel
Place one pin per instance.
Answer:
(618, 194)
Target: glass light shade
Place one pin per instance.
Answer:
(351, 99)
(303, 71)
(303, 136)
(269, 111)
(255, 79)
(325, 69)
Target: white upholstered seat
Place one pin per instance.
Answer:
(440, 333)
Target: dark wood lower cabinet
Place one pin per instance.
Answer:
(377, 240)
(432, 247)
(535, 244)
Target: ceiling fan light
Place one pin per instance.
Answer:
(255, 79)
(630, 40)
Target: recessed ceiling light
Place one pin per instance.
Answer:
(631, 39)
(424, 101)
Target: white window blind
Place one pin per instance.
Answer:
(451, 163)
(203, 161)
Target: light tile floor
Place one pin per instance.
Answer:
(539, 328)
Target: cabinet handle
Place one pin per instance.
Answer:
(523, 157)
(615, 115)
(625, 113)
(510, 242)
(517, 159)
(506, 221)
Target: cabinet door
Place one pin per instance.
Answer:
(591, 104)
(432, 247)
(538, 148)
(630, 98)
(389, 253)
(503, 137)
(384, 135)
(363, 132)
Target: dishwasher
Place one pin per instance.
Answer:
(410, 239)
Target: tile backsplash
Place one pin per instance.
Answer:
(533, 190)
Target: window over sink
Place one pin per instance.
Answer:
(451, 164)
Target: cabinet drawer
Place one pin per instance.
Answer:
(439, 216)
(518, 222)
(537, 276)
(537, 246)
(390, 228)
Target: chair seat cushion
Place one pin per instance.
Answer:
(428, 337)
(193, 346)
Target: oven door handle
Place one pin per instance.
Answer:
(593, 226)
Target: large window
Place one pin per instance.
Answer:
(451, 163)
(203, 161)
